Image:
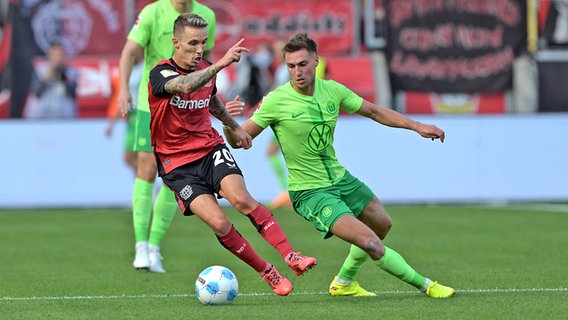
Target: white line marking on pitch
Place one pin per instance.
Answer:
(147, 296)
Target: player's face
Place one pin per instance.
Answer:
(302, 69)
(190, 46)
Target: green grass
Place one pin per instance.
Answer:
(506, 263)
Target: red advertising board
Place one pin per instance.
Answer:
(330, 23)
(435, 103)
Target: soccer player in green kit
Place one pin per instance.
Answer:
(151, 36)
(303, 114)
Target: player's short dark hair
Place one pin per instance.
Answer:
(300, 41)
(188, 20)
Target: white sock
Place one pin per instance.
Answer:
(426, 284)
(153, 248)
(342, 282)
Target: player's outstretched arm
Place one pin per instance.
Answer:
(392, 118)
(195, 80)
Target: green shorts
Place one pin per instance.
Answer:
(324, 206)
(129, 134)
(142, 142)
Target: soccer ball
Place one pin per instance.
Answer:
(216, 285)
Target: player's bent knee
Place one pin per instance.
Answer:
(244, 203)
(220, 226)
(375, 248)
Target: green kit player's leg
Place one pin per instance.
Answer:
(141, 215)
(352, 264)
(394, 263)
(343, 284)
(165, 208)
(283, 198)
(278, 168)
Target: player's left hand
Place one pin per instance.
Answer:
(431, 131)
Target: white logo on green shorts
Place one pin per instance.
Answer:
(327, 211)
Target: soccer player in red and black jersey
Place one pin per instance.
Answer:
(192, 157)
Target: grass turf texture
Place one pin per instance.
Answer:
(505, 263)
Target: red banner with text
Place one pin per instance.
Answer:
(330, 23)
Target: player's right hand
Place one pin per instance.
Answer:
(233, 54)
(124, 102)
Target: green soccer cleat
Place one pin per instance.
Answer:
(436, 290)
(353, 289)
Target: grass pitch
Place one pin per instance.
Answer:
(507, 262)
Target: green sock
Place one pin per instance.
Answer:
(141, 208)
(352, 263)
(165, 208)
(278, 168)
(394, 263)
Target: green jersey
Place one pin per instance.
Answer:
(304, 126)
(153, 30)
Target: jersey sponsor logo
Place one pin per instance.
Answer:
(319, 137)
(166, 73)
(186, 192)
(176, 101)
(295, 115)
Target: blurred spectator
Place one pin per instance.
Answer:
(55, 86)
(252, 78)
(279, 69)
(554, 23)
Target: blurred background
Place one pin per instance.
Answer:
(492, 74)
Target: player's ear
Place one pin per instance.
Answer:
(175, 42)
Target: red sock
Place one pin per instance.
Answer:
(270, 230)
(240, 247)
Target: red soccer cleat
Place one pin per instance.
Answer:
(300, 264)
(280, 285)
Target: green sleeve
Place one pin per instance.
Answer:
(140, 32)
(350, 101)
(265, 114)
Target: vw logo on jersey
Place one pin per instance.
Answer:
(319, 137)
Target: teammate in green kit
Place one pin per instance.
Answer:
(151, 36)
(303, 114)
